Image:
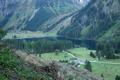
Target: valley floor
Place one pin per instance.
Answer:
(109, 68)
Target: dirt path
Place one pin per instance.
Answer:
(105, 62)
(95, 61)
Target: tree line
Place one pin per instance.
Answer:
(40, 46)
(109, 49)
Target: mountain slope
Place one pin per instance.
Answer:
(13, 68)
(31, 14)
(19, 13)
(93, 21)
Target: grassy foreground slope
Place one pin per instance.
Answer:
(11, 68)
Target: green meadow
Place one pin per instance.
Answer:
(105, 67)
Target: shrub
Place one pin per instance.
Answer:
(92, 55)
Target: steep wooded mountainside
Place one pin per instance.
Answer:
(15, 13)
(100, 18)
(31, 14)
(71, 18)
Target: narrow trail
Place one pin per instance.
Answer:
(111, 63)
(94, 61)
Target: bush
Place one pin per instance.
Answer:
(63, 61)
(117, 77)
(92, 55)
(2, 33)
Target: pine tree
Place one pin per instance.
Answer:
(92, 55)
(117, 77)
(2, 33)
(88, 66)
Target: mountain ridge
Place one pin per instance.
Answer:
(30, 15)
(92, 21)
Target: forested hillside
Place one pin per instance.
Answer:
(98, 18)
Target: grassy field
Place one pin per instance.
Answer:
(108, 70)
(56, 57)
(111, 60)
(82, 53)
